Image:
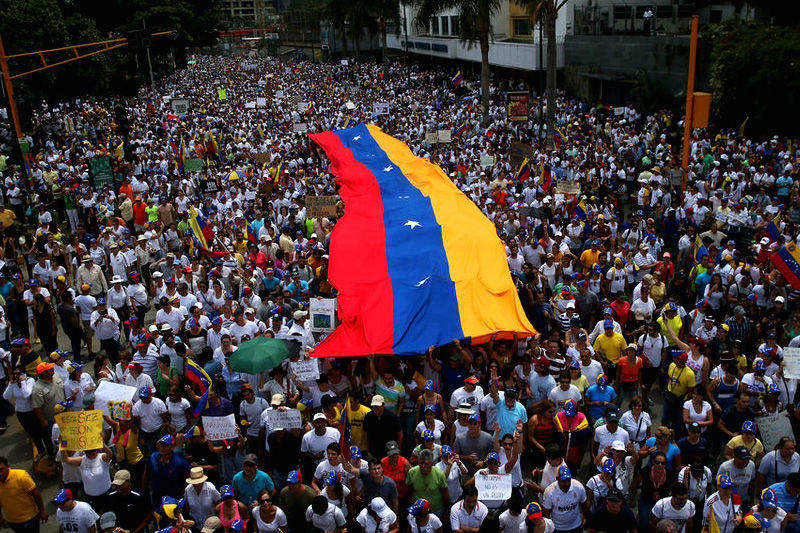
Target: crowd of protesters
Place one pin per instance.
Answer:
(661, 320)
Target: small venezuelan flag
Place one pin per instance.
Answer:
(457, 79)
(787, 261)
(524, 171)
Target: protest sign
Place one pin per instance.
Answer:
(288, 419)
(322, 312)
(193, 165)
(380, 108)
(431, 137)
(208, 185)
(278, 95)
(773, 427)
(261, 157)
(791, 361)
(302, 107)
(568, 187)
(320, 206)
(300, 127)
(444, 136)
(487, 160)
(222, 94)
(261, 101)
(345, 62)
(619, 111)
(518, 105)
(306, 370)
(219, 427)
(250, 105)
(81, 430)
(112, 392)
(519, 151)
(350, 105)
(179, 106)
(493, 486)
(100, 170)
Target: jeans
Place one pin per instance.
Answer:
(31, 526)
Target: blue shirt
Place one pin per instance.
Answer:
(247, 491)
(167, 478)
(672, 452)
(541, 386)
(596, 394)
(787, 502)
(507, 418)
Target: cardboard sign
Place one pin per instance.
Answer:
(493, 486)
(380, 108)
(107, 392)
(300, 127)
(444, 136)
(320, 206)
(322, 312)
(773, 427)
(306, 370)
(568, 187)
(518, 105)
(519, 151)
(288, 419)
(180, 106)
(219, 427)
(431, 138)
(487, 161)
(222, 94)
(193, 165)
(791, 360)
(261, 101)
(82, 430)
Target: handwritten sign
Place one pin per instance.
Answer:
(568, 187)
(493, 486)
(261, 157)
(287, 419)
(322, 312)
(302, 107)
(219, 427)
(487, 160)
(791, 360)
(345, 62)
(619, 111)
(82, 430)
(179, 106)
(306, 370)
(431, 137)
(380, 108)
(320, 206)
(300, 127)
(773, 427)
(250, 105)
(444, 136)
(350, 105)
(107, 392)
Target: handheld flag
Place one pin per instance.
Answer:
(787, 261)
(524, 171)
(415, 261)
(202, 233)
(773, 228)
(199, 377)
(278, 171)
(558, 137)
(345, 429)
(581, 211)
(547, 178)
(251, 233)
(457, 79)
(700, 250)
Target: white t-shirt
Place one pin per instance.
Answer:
(332, 518)
(741, 477)
(315, 444)
(461, 396)
(252, 412)
(78, 520)
(95, 475)
(558, 396)
(324, 467)
(269, 527)
(603, 437)
(433, 524)
(150, 414)
(453, 480)
(697, 487)
(367, 521)
(510, 523)
(565, 506)
(69, 473)
(694, 416)
(201, 505)
(637, 430)
(459, 515)
(664, 509)
(723, 513)
(549, 526)
(489, 408)
(774, 523)
(177, 412)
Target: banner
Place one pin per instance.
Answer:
(193, 165)
(431, 137)
(261, 157)
(773, 427)
(222, 94)
(287, 419)
(568, 187)
(208, 185)
(493, 486)
(321, 206)
(112, 392)
(100, 170)
(219, 427)
(380, 108)
(81, 430)
(791, 360)
(322, 312)
(302, 107)
(518, 105)
(306, 370)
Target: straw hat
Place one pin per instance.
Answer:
(196, 476)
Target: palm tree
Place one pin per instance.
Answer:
(384, 12)
(549, 10)
(475, 24)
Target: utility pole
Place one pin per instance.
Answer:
(687, 121)
(12, 104)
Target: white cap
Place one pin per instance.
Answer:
(319, 416)
(618, 445)
(379, 506)
(116, 279)
(780, 299)
(299, 314)
(377, 400)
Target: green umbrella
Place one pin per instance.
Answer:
(259, 354)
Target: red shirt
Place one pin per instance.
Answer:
(622, 310)
(629, 372)
(397, 474)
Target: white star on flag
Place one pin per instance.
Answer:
(388, 169)
(357, 137)
(421, 283)
(412, 224)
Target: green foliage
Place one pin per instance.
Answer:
(755, 72)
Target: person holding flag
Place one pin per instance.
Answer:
(722, 511)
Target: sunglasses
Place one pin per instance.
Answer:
(662, 463)
(265, 501)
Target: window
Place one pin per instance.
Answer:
(434, 25)
(445, 25)
(454, 25)
(716, 16)
(522, 26)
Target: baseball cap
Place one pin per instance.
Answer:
(570, 407)
(319, 416)
(226, 491)
(355, 452)
(44, 367)
(428, 435)
(749, 426)
(392, 448)
(377, 400)
(211, 524)
(169, 440)
(769, 498)
(419, 507)
(108, 520)
(615, 495)
(618, 445)
(608, 466)
(294, 477)
(608, 324)
(250, 459)
(62, 496)
(741, 452)
(471, 379)
(144, 392)
(277, 399)
(755, 521)
(563, 473)
(533, 510)
(493, 456)
(121, 477)
(724, 481)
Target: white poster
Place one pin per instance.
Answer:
(286, 419)
(444, 136)
(300, 127)
(306, 370)
(278, 95)
(493, 486)
(380, 108)
(345, 62)
(250, 105)
(219, 427)
(791, 360)
(302, 107)
(350, 105)
(322, 312)
(487, 161)
(261, 101)
(112, 392)
(619, 111)
(773, 427)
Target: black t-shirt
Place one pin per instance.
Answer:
(733, 418)
(131, 509)
(70, 319)
(689, 450)
(603, 520)
(380, 430)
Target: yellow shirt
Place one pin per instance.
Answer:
(612, 347)
(676, 324)
(357, 435)
(680, 380)
(755, 448)
(582, 383)
(130, 452)
(15, 497)
(589, 258)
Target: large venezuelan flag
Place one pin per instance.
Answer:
(416, 263)
(787, 261)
